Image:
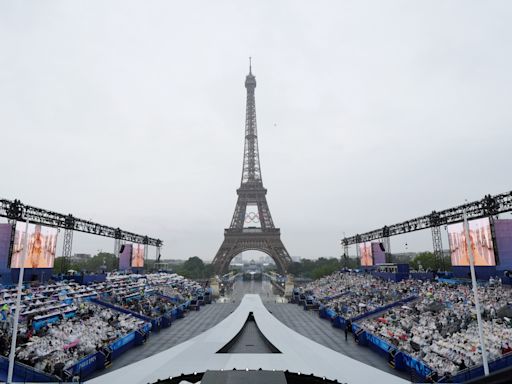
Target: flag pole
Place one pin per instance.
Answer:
(17, 308)
(475, 293)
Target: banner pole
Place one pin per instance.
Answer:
(475, 294)
(17, 308)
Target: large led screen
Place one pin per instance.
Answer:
(138, 256)
(481, 243)
(42, 244)
(365, 252)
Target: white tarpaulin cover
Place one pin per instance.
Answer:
(298, 354)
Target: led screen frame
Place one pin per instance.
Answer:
(366, 254)
(481, 242)
(42, 246)
(137, 260)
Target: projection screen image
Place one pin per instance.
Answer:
(42, 244)
(138, 256)
(481, 243)
(365, 250)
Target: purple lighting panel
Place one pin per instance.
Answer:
(5, 239)
(125, 257)
(379, 257)
(503, 231)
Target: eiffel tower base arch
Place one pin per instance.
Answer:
(236, 242)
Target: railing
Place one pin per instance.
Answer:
(24, 373)
(478, 371)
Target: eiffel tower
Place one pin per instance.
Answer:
(252, 227)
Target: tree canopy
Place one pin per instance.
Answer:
(195, 268)
(427, 260)
(315, 269)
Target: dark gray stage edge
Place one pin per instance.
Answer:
(242, 377)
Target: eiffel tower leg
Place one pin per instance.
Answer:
(266, 242)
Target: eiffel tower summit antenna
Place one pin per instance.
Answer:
(251, 227)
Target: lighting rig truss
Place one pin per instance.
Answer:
(16, 211)
(489, 206)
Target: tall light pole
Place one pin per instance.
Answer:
(17, 309)
(475, 293)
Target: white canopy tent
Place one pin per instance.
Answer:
(298, 354)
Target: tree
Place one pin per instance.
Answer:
(427, 260)
(194, 268)
(315, 269)
(295, 268)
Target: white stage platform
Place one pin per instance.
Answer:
(298, 354)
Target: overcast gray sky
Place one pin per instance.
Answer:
(131, 113)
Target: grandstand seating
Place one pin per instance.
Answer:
(70, 330)
(425, 327)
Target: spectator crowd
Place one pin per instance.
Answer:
(58, 325)
(439, 327)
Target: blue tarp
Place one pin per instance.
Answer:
(473, 373)
(405, 360)
(24, 373)
(119, 343)
(87, 365)
(382, 346)
(402, 360)
(326, 313)
(95, 361)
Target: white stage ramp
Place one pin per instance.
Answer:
(199, 354)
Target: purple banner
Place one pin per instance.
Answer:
(5, 240)
(125, 257)
(379, 257)
(503, 231)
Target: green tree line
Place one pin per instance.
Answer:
(195, 268)
(314, 269)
